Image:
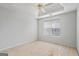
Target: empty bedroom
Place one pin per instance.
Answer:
(39, 29)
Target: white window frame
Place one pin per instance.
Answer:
(49, 27)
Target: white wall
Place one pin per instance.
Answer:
(17, 24)
(78, 29)
(68, 29)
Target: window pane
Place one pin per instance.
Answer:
(52, 28)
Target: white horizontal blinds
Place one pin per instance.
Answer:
(52, 28)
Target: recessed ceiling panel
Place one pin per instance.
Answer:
(52, 8)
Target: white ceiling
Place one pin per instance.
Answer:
(23, 7)
(51, 8)
(67, 8)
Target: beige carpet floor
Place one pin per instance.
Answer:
(40, 48)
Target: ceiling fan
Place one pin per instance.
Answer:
(41, 8)
(48, 8)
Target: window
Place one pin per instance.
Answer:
(52, 27)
